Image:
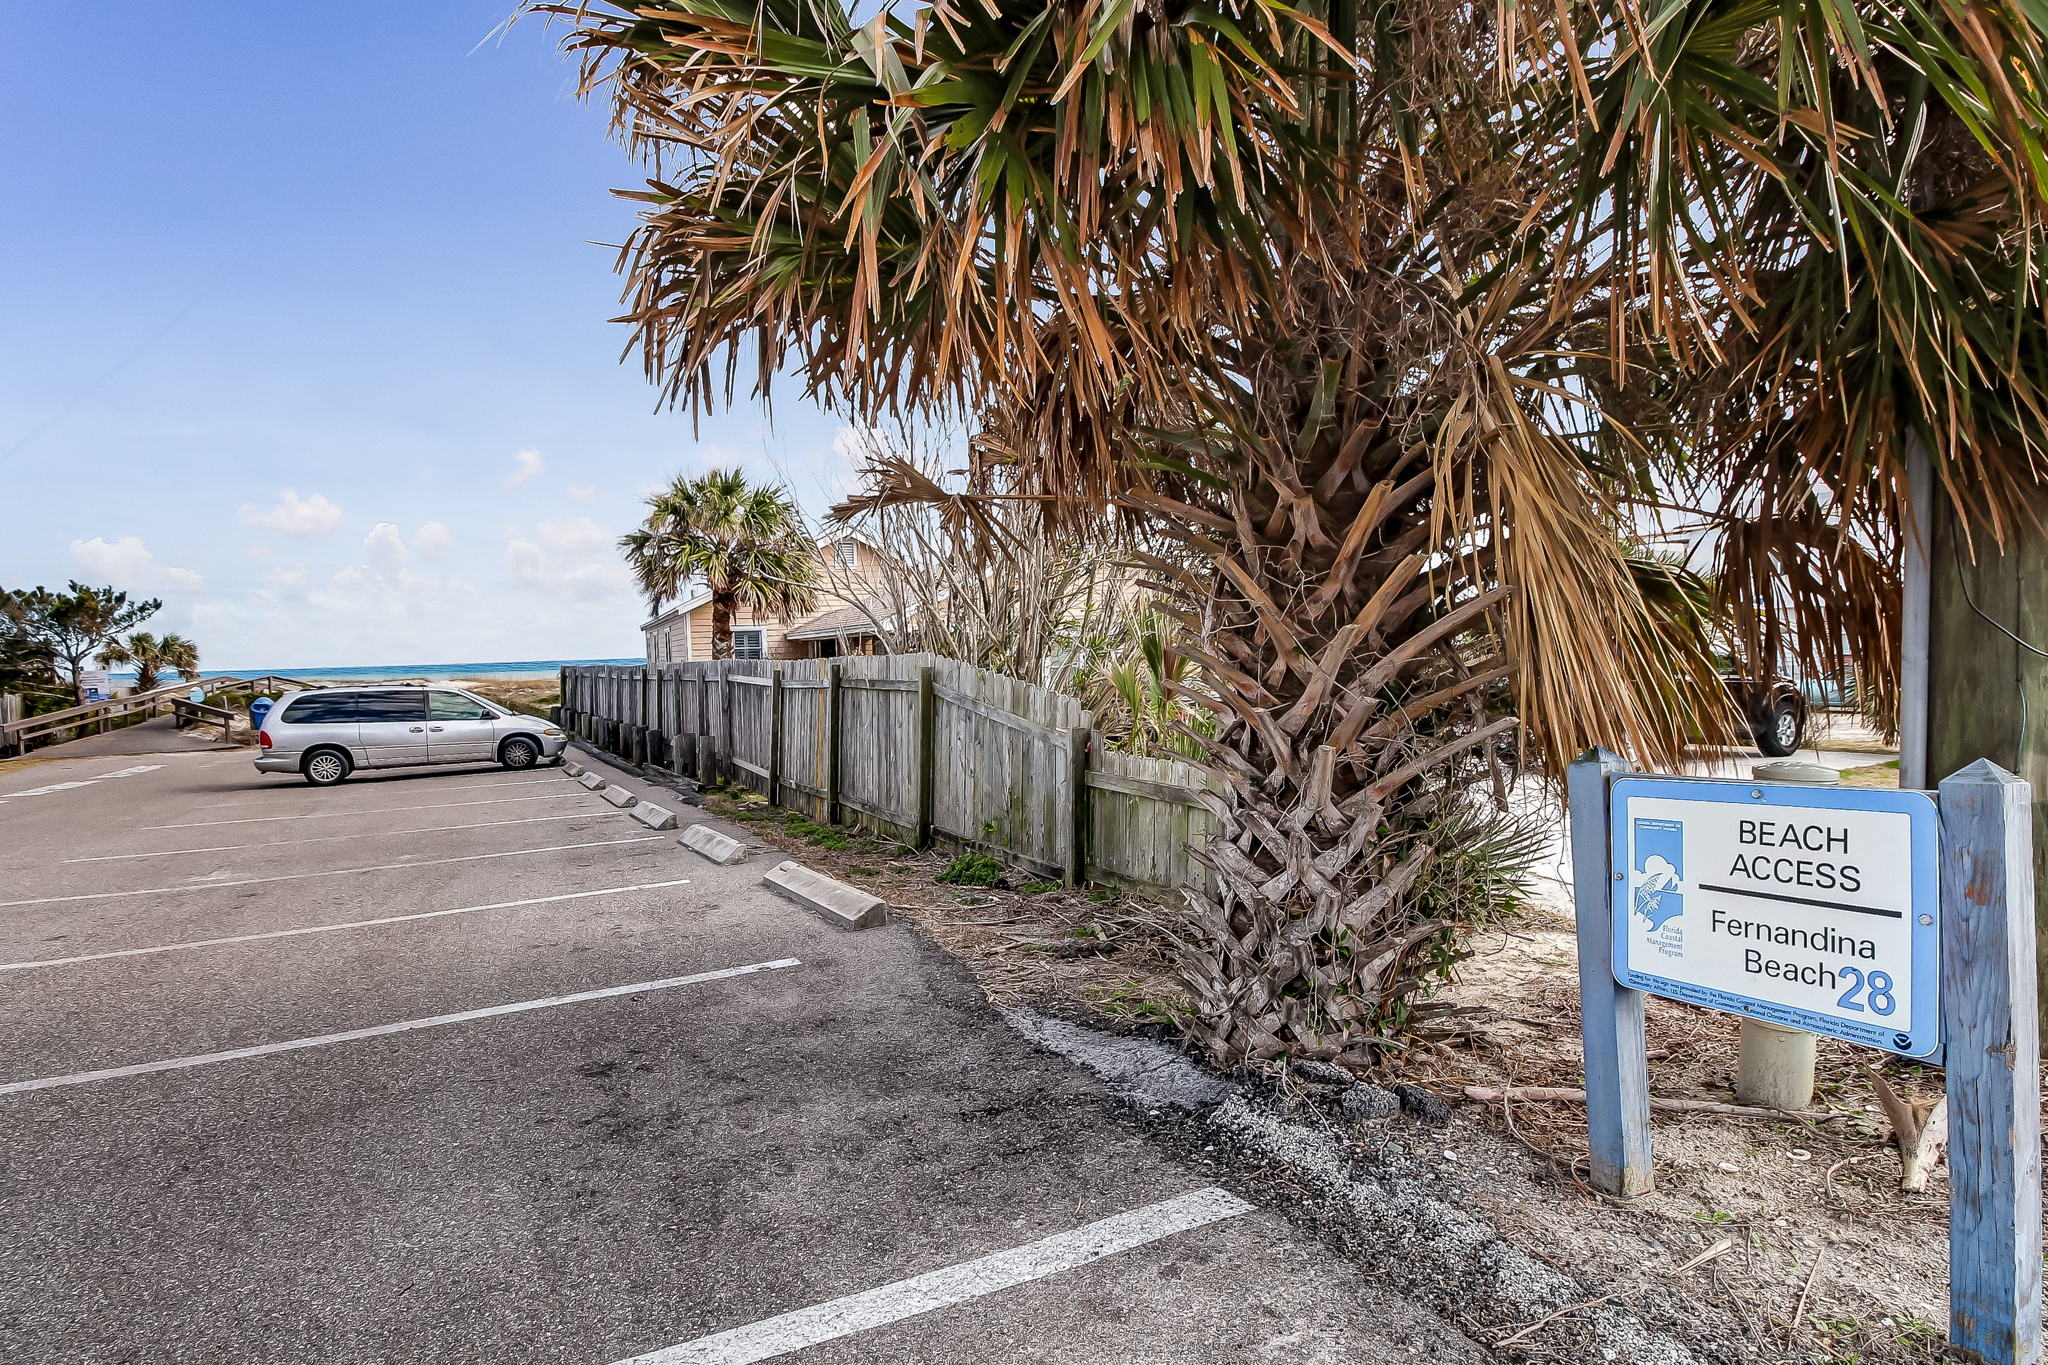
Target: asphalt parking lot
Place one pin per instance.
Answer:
(467, 1065)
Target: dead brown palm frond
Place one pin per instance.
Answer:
(971, 517)
(1828, 224)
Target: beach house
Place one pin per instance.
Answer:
(849, 573)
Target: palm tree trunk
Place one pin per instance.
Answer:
(1359, 693)
(721, 624)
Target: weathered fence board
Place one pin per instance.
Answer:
(913, 746)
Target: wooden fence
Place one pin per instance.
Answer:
(914, 746)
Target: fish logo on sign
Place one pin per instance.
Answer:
(1659, 872)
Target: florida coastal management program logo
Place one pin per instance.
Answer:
(1659, 872)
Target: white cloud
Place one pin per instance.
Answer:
(129, 564)
(527, 464)
(431, 539)
(574, 559)
(386, 547)
(585, 492)
(124, 561)
(580, 536)
(305, 518)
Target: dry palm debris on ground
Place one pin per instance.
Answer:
(1027, 939)
(1828, 1261)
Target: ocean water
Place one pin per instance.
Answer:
(503, 670)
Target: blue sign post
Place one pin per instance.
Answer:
(1877, 917)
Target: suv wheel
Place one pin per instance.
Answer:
(519, 753)
(1781, 730)
(325, 767)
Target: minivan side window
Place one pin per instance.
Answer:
(321, 708)
(395, 705)
(455, 706)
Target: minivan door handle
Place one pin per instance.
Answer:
(417, 728)
(435, 728)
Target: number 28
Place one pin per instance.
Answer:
(1880, 991)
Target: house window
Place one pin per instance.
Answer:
(748, 644)
(848, 554)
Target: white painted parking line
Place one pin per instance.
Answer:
(423, 785)
(330, 838)
(330, 928)
(328, 872)
(81, 782)
(779, 1336)
(373, 810)
(379, 1031)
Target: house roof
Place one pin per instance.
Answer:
(698, 598)
(843, 621)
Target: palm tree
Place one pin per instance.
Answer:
(151, 657)
(1832, 230)
(747, 545)
(1277, 284)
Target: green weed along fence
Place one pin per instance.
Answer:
(912, 745)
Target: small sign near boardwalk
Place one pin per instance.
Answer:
(1884, 918)
(1813, 908)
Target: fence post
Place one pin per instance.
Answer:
(1610, 1014)
(774, 734)
(10, 711)
(725, 745)
(1077, 800)
(833, 697)
(1991, 1029)
(926, 717)
(707, 750)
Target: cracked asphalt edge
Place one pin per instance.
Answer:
(1414, 1241)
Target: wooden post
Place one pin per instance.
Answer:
(927, 793)
(833, 699)
(1610, 1014)
(725, 744)
(1916, 601)
(1077, 800)
(706, 748)
(1989, 1022)
(774, 764)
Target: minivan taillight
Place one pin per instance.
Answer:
(263, 738)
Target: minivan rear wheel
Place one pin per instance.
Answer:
(519, 753)
(325, 767)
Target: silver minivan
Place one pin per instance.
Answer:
(327, 733)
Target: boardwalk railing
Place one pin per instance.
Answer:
(911, 745)
(16, 732)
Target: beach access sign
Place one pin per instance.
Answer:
(1815, 908)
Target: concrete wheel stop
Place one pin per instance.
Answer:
(849, 907)
(722, 849)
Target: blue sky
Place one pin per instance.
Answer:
(305, 332)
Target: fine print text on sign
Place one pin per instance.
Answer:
(1815, 908)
